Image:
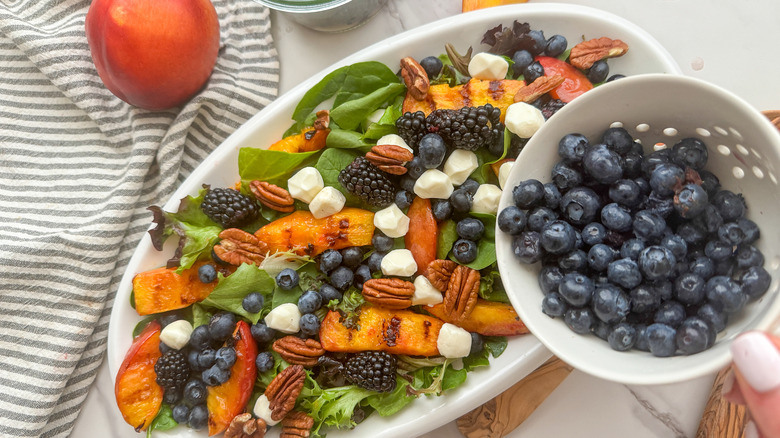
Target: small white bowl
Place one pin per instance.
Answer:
(744, 152)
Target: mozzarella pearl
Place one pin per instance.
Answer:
(433, 183)
(503, 173)
(399, 263)
(486, 199)
(305, 184)
(425, 293)
(453, 341)
(176, 334)
(488, 66)
(459, 165)
(394, 139)
(523, 119)
(392, 221)
(327, 202)
(262, 410)
(285, 318)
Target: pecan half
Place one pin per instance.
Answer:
(299, 351)
(390, 293)
(537, 88)
(584, 54)
(272, 196)
(296, 424)
(244, 426)
(323, 120)
(237, 247)
(439, 273)
(284, 389)
(415, 78)
(390, 158)
(462, 293)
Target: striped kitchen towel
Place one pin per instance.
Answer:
(78, 167)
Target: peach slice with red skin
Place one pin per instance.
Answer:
(138, 396)
(423, 234)
(230, 398)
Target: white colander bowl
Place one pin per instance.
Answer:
(658, 110)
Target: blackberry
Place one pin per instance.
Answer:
(229, 208)
(366, 181)
(551, 107)
(172, 369)
(372, 370)
(411, 127)
(467, 128)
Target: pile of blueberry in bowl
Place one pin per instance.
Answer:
(635, 237)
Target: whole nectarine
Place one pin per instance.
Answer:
(154, 54)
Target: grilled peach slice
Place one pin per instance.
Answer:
(489, 318)
(423, 234)
(138, 395)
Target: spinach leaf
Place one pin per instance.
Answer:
(386, 123)
(231, 290)
(200, 315)
(330, 164)
(163, 421)
(389, 403)
(343, 139)
(345, 84)
(486, 247)
(351, 113)
(484, 172)
(141, 325)
(272, 166)
(448, 234)
(495, 344)
(490, 285)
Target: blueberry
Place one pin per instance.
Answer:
(461, 200)
(539, 42)
(665, 178)
(310, 301)
(602, 164)
(552, 196)
(689, 288)
(441, 209)
(615, 77)
(664, 288)
(554, 305)
(690, 201)
(725, 292)
(618, 139)
(192, 360)
(465, 251)
(432, 66)
(731, 233)
(576, 260)
(539, 217)
(702, 266)
(352, 256)
(403, 199)
(748, 256)
(579, 320)
(171, 395)
(625, 192)
(641, 338)
(225, 357)
(330, 259)
(731, 206)
(528, 194)
(755, 282)
(709, 182)
(676, 245)
(310, 324)
(600, 329)
(521, 59)
(374, 261)
(713, 317)
(600, 256)
(616, 217)
(571, 148)
(655, 159)
(200, 338)
(648, 225)
(593, 233)
(431, 150)
(199, 417)
(558, 237)
(691, 233)
(632, 165)
(598, 72)
(690, 152)
(329, 293)
(287, 279)
(512, 220)
(477, 343)
(749, 229)
(416, 167)
(656, 262)
(362, 275)
(671, 313)
(694, 336)
(470, 185)
(207, 273)
(341, 278)
(576, 288)
(622, 337)
(631, 248)
(261, 333)
(624, 272)
(181, 413)
(221, 326)
(207, 358)
(661, 339)
(533, 72)
(718, 251)
(724, 267)
(527, 247)
(556, 45)
(215, 376)
(643, 184)
(565, 176)
(470, 228)
(407, 183)
(382, 242)
(550, 278)
(660, 205)
(610, 303)
(644, 299)
(580, 206)
(264, 361)
(253, 302)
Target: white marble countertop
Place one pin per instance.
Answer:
(728, 43)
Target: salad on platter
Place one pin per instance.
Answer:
(351, 268)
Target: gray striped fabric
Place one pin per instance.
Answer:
(78, 167)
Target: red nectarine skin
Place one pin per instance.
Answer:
(154, 54)
(138, 395)
(423, 234)
(230, 398)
